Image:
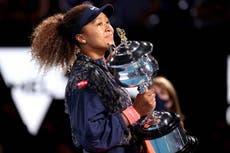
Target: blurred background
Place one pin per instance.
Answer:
(191, 44)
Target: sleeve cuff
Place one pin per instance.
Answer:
(131, 114)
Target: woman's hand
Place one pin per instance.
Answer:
(145, 103)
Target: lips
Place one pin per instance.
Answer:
(109, 36)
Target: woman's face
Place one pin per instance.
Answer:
(99, 33)
(163, 94)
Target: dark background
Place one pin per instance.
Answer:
(191, 44)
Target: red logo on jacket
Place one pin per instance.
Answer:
(82, 84)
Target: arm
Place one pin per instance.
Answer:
(94, 129)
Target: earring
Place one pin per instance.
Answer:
(84, 41)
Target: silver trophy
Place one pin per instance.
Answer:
(133, 66)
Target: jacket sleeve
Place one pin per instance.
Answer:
(91, 125)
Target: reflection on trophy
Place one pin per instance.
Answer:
(133, 66)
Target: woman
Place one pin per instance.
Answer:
(101, 112)
(167, 93)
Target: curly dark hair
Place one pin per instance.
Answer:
(51, 45)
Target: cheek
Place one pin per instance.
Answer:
(93, 38)
(163, 96)
(98, 36)
(92, 33)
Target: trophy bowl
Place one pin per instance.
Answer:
(133, 65)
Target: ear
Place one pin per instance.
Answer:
(80, 38)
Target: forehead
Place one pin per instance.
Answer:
(99, 18)
(160, 87)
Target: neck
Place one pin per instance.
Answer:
(93, 53)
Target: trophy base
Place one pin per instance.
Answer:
(191, 145)
(166, 134)
(161, 123)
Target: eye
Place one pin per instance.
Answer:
(99, 23)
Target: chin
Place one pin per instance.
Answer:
(111, 42)
(105, 48)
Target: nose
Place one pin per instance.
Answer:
(108, 27)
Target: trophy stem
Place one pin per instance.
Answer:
(152, 119)
(142, 88)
